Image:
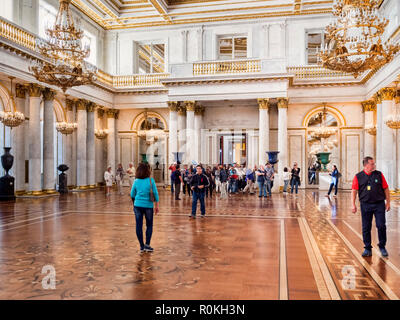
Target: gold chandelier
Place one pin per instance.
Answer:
(393, 120)
(64, 65)
(11, 118)
(355, 38)
(66, 127)
(323, 131)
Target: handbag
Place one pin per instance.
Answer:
(152, 198)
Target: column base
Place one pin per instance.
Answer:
(82, 187)
(92, 186)
(20, 192)
(50, 191)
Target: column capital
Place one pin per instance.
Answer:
(368, 105)
(20, 91)
(81, 104)
(100, 112)
(173, 105)
(199, 110)
(283, 103)
(397, 98)
(112, 113)
(48, 94)
(70, 104)
(263, 103)
(34, 90)
(387, 93)
(377, 98)
(182, 110)
(190, 105)
(90, 106)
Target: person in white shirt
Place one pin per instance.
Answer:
(286, 179)
(131, 171)
(108, 177)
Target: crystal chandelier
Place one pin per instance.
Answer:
(355, 38)
(393, 120)
(66, 127)
(11, 118)
(101, 133)
(323, 131)
(64, 65)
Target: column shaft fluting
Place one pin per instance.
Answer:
(282, 135)
(111, 148)
(81, 154)
(19, 142)
(263, 144)
(90, 145)
(190, 133)
(173, 129)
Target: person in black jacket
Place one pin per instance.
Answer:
(198, 184)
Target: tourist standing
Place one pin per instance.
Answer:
(249, 181)
(373, 190)
(210, 177)
(172, 168)
(218, 183)
(119, 178)
(185, 173)
(177, 181)
(269, 177)
(335, 181)
(295, 179)
(131, 171)
(224, 176)
(198, 184)
(260, 173)
(144, 195)
(108, 178)
(286, 179)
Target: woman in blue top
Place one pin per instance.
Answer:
(335, 180)
(142, 206)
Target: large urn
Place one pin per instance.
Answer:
(323, 158)
(62, 179)
(272, 157)
(7, 182)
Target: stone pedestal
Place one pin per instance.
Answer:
(7, 188)
(324, 181)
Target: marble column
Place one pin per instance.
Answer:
(369, 138)
(388, 138)
(49, 179)
(35, 176)
(198, 124)
(111, 147)
(173, 129)
(397, 155)
(282, 137)
(190, 145)
(90, 146)
(182, 132)
(99, 145)
(263, 144)
(69, 149)
(379, 127)
(19, 141)
(81, 153)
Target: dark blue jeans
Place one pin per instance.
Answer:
(148, 214)
(268, 186)
(294, 184)
(262, 187)
(331, 187)
(198, 196)
(368, 210)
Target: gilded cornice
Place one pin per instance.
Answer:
(283, 102)
(368, 105)
(34, 90)
(20, 91)
(387, 93)
(48, 94)
(263, 103)
(173, 105)
(190, 105)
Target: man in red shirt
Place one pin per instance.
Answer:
(372, 190)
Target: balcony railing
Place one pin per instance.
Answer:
(17, 35)
(316, 72)
(139, 80)
(226, 67)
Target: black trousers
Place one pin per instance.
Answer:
(177, 190)
(368, 210)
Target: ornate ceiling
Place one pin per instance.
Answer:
(121, 14)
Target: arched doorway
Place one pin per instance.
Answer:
(326, 117)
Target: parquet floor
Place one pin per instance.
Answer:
(304, 247)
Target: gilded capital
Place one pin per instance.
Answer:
(48, 94)
(100, 112)
(90, 106)
(173, 105)
(199, 110)
(20, 91)
(70, 104)
(387, 93)
(34, 90)
(283, 102)
(190, 105)
(368, 105)
(397, 98)
(377, 98)
(263, 103)
(112, 113)
(182, 110)
(81, 104)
